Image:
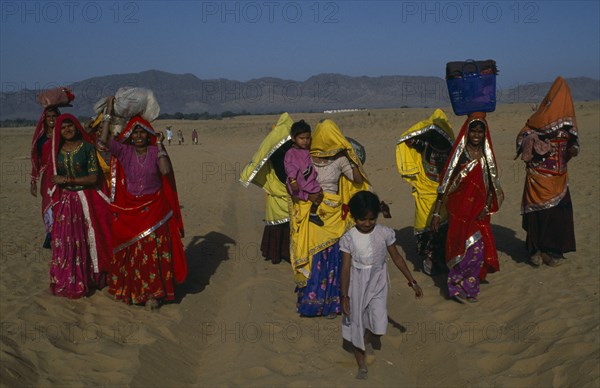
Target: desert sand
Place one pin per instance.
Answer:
(235, 323)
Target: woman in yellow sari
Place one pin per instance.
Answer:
(266, 171)
(421, 153)
(315, 252)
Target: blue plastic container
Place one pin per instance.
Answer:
(469, 89)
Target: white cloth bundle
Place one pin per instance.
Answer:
(132, 101)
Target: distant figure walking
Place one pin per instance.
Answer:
(195, 137)
(169, 135)
(180, 137)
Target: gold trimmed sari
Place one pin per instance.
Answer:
(307, 238)
(410, 165)
(261, 173)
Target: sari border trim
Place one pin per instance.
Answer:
(468, 243)
(144, 233)
(423, 130)
(453, 162)
(558, 124)
(246, 182)
(91, 235)
(534, 207)
(277, 222)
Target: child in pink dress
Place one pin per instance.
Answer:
(301, 176)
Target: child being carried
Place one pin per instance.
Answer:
(301, 175)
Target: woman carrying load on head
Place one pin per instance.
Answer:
(40, 158)
(470, 188)
(421, 153)
(148, 257)
(315, 251)
(548, 141)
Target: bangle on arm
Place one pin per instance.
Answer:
(412, 283)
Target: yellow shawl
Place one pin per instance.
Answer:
(308, 238)
(262, 173)
(410, 166)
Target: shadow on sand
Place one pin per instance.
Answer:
(204, 254)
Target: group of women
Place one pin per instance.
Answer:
(456, 188)
(124, 232)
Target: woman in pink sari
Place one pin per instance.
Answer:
(40, 156)
(81, 222)
(148, 257)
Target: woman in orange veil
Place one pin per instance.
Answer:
(548, 141)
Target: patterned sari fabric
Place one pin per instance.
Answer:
(321, 295)
(148, 255)
(543, 145)
(81, 231)
(315, 253)
(466, 184)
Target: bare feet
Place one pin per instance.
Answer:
(152, 304)
(369, 353)
(536, 259)
(550, 261)
(362, 373)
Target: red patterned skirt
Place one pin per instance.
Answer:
(144, 269)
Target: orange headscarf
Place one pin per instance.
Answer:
(555, 112)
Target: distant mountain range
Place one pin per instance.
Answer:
(187, 93)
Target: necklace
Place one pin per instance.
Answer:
(139, 157)
(474, 153)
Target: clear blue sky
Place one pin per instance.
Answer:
(59, 42)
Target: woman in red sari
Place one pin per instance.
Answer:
(148, 256)
(81, 214)
(470, 187)
(40, 156)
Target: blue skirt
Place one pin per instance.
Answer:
(321, 295)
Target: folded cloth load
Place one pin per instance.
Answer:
(60, 96)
